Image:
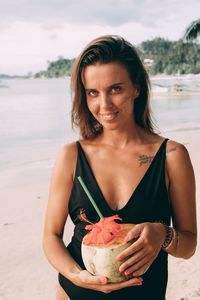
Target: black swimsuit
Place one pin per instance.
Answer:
(148, 203)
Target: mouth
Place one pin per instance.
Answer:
(109, 116)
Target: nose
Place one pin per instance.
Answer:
(105, 100)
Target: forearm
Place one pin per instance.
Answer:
(184, 245)
(59, 257)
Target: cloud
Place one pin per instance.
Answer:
(107, 12)
(27, 46)
(35, 31)
(53, 36)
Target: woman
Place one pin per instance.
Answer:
(129, 169)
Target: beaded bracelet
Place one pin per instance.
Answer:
(169, 238)
(174, 240)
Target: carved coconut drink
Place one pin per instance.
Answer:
(102, 244)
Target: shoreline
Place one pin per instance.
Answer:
(47, 162)
(174, 94)
(25, 272)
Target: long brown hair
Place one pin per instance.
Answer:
(105, 49)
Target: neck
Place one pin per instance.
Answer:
(121, 138)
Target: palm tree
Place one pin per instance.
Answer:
(192, 31)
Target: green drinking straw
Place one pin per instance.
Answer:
(90, 197)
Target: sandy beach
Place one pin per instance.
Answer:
(24, 270)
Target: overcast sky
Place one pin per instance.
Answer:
(33, 32)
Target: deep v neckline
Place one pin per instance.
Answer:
(146, 173)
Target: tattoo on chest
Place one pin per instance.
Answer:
(145, 159)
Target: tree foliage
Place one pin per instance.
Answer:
(193, 31)
(59, 68)
(168, 57)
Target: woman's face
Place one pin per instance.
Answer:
(110, 94)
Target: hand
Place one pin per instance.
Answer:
(144, 250)
(99, 283)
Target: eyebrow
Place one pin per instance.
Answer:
(117, 83)
(109, 87)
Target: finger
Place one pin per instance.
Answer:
(134, 248)
(109, 287)
(133, 233)
(127, 283)
(142, 270)
(87, 278)
(137, 268)
(133, 260)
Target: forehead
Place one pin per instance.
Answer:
(108, 73)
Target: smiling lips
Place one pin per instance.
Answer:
(109, 116)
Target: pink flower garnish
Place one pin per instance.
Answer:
(103, 231)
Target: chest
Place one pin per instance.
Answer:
(118, 176)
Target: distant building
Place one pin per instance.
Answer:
(148, 62)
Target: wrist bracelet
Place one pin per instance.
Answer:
(174, 241)
(170, 233)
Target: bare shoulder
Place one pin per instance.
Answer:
(177, 158)
(66, 158)
(176, 150)
(67, 151)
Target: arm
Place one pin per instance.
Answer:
(57, 212)
(182, 197)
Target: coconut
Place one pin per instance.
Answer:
(101, 246)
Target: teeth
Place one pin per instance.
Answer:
(108, 117)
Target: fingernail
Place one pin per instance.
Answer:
(135, 274)
(139, 283)
(117, 258)
(127, 273)
(127, 239)
(140, 279)
(103, 280)
(121, 269)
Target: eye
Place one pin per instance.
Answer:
(116, 89)
(92, 93)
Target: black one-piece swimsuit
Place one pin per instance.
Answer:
(148, 203)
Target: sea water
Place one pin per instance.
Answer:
(35, 120)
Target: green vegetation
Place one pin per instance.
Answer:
(59, 68)
(170, 57)
(159, 55)
(193, 31)
(5, 76)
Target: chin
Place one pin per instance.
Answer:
(110, 127)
